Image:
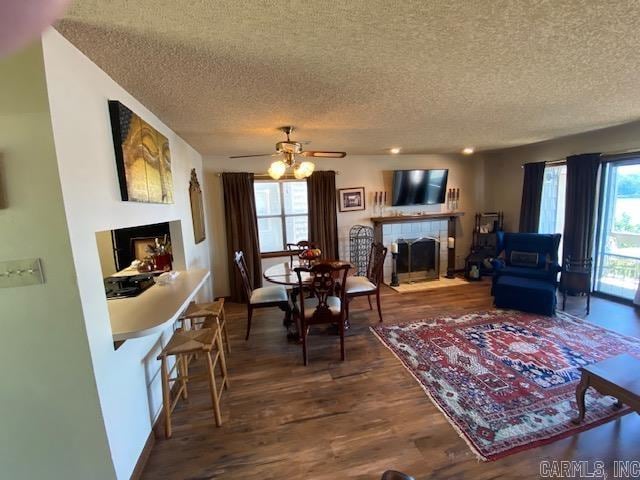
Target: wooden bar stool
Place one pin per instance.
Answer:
(183, 345)
(205, 315)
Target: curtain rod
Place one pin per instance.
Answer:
(265, 176)
(549, 162)
(562, 161)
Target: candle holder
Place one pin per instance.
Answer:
(394, 272)
(453, 199)
(380, 201)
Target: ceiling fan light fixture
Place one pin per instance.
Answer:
(288, 150)
(308, 167)
(303, 170)
(298, 173)
(277, 169)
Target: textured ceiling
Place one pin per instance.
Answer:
(366, 75)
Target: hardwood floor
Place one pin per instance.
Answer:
(334, 420)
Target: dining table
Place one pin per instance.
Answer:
(284, 274)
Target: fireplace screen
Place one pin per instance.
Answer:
(419, 258)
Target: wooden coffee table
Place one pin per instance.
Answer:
(617, 376)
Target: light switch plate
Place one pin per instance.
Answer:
(20, 273)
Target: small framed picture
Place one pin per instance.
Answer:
(351, 199)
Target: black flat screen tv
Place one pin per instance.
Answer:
(419, 187)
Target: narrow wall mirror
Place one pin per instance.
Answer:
(197, 209)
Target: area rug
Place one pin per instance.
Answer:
(430, 285)
(506, 380)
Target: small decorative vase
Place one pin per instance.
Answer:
(163, 262)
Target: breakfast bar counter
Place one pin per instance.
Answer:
(156, 308)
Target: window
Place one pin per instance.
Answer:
(281, 208)
(552, 203)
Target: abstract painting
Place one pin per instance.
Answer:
(142, 157)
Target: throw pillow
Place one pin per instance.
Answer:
(524, 259)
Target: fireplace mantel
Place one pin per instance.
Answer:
(415, 218)
(450, 217)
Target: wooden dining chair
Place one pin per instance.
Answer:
(360, 286)
(262, 297)
(296, 248)
(322, 306)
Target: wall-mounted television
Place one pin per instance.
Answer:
(419, 187)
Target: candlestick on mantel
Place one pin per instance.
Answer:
(394, 265)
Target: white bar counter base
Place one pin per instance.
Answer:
(156, 308)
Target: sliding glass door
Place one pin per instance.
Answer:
(617, 258)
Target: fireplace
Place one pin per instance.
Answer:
(418, 259)
(440, 226)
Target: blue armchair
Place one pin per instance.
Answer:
(528, 255)
(526, 272)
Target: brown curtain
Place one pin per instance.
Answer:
(580, 207)
(531, 197)
(323, 219)
(242, 230)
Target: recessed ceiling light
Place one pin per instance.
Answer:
(395, 150)
(468, 150)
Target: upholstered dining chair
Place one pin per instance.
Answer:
(295, 248)
(360, 286)
(322, 306)
(262, 297)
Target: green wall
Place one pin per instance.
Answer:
(51, 423)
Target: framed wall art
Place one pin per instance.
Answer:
(143, 158)
(351, 199)
(197, 208)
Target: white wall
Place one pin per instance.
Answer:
(127, 379)
(504, 173)
(373, 173)
(51, 424)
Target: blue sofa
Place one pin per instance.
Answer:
(526, 272)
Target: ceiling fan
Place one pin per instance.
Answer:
(288, 149)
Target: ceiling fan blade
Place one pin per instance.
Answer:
(324, 154)
(259, 155)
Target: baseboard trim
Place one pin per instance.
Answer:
(144, 455)
(156, 430)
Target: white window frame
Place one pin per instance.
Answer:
(282, 216)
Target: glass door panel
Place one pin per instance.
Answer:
(618, 245)
(552, 203)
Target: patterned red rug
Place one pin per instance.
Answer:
(506, 380)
